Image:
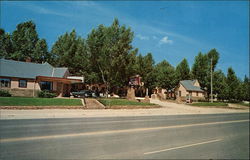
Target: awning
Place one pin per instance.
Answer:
(57, 79)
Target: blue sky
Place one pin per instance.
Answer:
(169, 30)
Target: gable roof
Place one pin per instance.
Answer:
(189, 85)
(11, 68)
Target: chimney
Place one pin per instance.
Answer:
(28, 59)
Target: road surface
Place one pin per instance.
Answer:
(213, 136)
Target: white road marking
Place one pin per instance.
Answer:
(189, 145)
(114, 131)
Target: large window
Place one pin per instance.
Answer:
(5, 82)
(45, 85)
(23, 83)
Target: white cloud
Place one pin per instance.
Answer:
(141, 37)
(165, 40)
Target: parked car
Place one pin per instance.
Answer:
(84, 93)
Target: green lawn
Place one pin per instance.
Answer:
(23, 101)
(209, 104)
(122, 102)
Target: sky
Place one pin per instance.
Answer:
(170, 30)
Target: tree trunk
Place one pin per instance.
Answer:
(104, 81)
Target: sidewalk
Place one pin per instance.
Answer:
(167, 109)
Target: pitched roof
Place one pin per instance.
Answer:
(189, 85)
(10, 68)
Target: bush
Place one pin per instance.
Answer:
(46, 94)
(4, 93)
(203, 100)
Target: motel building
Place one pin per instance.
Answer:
(27, 78)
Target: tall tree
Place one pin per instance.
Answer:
(6, 47)
(110, 51)
(145, 68)
(200, 69)
(70, 51)
(24, 40)
(41, 53)
(165, 75)
(232, 85)
(220, 85)
(214, 56)
(182, 71)
(246, 89)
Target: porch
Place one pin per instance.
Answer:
(61, 86)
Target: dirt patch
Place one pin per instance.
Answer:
(133, 107)
(40, 107)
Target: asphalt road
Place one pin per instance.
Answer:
(214, 136)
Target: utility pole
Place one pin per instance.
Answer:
(211, 81)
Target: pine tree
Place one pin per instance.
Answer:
(232, 85)
(182, 71)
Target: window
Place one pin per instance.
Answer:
(22, 83)
(5, 82)
(179, 93)
(197, 94)
(45, 85)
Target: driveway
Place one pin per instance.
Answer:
(174, 108)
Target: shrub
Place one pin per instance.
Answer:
(4, 93)
(46, 94)
(203, 100)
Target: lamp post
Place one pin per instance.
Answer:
(211, 81)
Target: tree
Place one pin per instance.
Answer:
(246, 89)
(200, 70)
(220, 85)
(182, 71)
(232, 85)
(165, 75)
(145, 68)
(214, 55)
(110, 50)
(6, 47)
(24, 40)
(41, 53)
(70, 51)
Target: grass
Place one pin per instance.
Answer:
(24, 101)
(209, 104)
(122, 102)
